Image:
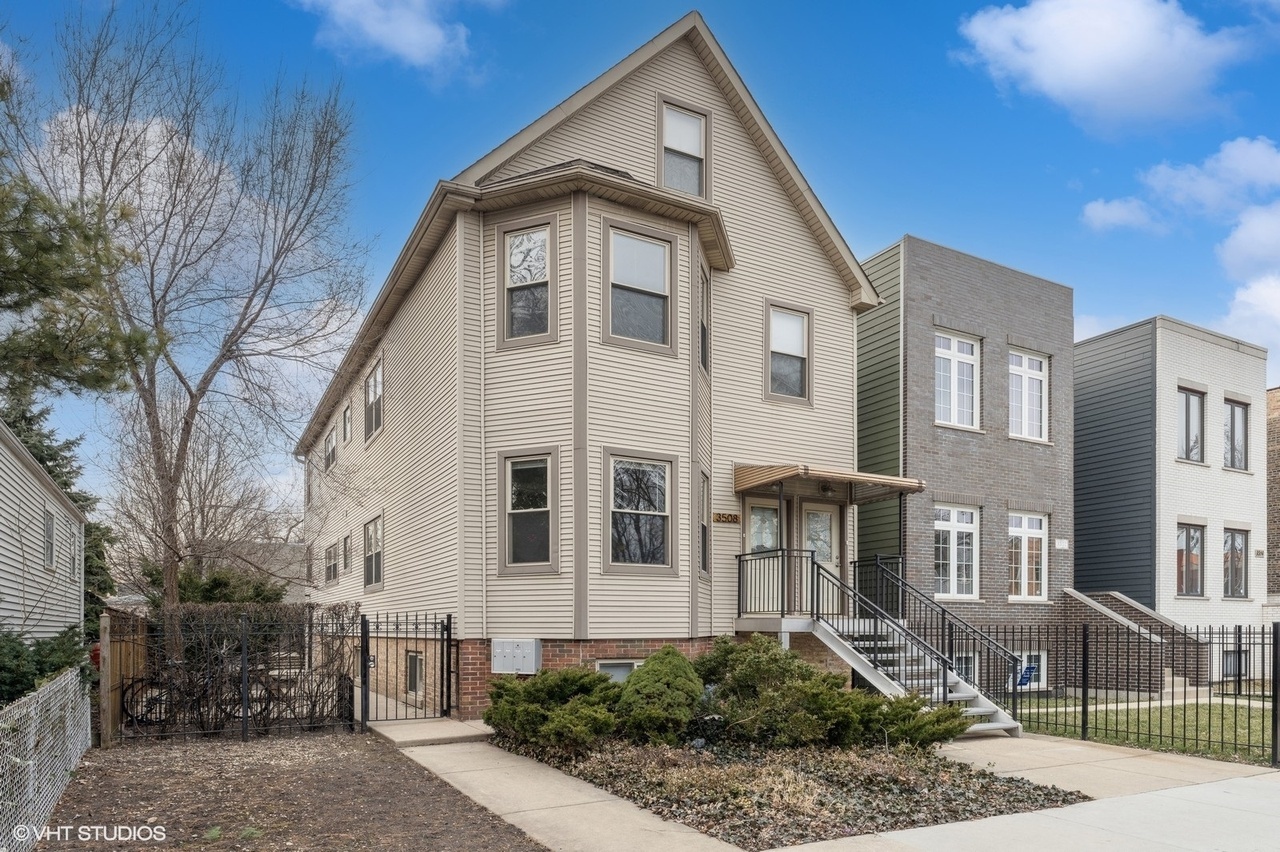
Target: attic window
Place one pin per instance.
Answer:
(683, 150)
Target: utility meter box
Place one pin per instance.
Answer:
(517, 656)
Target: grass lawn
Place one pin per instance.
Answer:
(1227, 731)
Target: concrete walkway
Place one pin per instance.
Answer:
(1145, 800)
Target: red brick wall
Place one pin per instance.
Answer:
(474, 674)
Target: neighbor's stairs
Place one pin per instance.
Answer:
(897, 668)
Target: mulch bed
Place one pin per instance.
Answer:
(761, 799)
(322, 791)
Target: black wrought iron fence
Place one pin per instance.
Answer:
(1208, 690)
(230, 669)
(411, 666)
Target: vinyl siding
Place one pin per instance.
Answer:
(471, 507)
(36, 601)
(528, 402)
(409, 471)
(1115, 463)
(880, 401)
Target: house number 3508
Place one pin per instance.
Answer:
(726, 518)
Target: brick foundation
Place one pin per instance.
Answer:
(475, 664)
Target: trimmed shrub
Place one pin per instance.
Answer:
(564, 710)
(660, 698)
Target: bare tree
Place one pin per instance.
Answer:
(237, 265)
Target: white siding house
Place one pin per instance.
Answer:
(41, 547)
(607, 347)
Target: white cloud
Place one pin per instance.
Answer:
(1110, 63)
(1253, 247)
(1254, 316)
(1103, 215)
(413, 31)
(1241, 171)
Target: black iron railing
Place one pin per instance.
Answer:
(978, 658)
(775, 582)
(409, 665)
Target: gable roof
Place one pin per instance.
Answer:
(19, 451)
(694, 28)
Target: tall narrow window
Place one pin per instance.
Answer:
(373, 401)
(331, 563)
(1190, 560)
(528, 283)
(640, 518)
(346, 554)
(789, 369)
(1028, 382)
(955, 550)
(705, 299)
(1190, 425)
(1026, 556)
(955, 380)
(48, 539)
(528, 512)
(683, 146)
(330, 449)
(415, 672)
(373, 552)
(1235, 435)
(346, 423)
(639, 288)
(704, 550)
(1235, 564)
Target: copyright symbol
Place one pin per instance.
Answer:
(21, 833)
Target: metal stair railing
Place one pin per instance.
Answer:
(980, 660)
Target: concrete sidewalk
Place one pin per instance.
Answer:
(1145, 800)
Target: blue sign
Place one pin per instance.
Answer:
(1028, 674)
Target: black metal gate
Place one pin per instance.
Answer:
(410, 666)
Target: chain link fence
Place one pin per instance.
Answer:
(42, 738)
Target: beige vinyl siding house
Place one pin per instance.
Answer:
(589, 336)
(41, 547)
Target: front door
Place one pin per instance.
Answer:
(820, 529)
(764, 527)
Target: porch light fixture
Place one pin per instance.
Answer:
(826, 488)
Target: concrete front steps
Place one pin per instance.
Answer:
(407, 733)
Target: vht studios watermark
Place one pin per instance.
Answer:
(103, 833)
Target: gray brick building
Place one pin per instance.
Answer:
(965, 381)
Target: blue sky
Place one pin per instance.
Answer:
(1126, 148)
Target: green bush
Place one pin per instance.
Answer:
(660, 698)
(566, 710)
(766, 695)
(24, 667)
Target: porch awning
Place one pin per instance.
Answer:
(863, 487)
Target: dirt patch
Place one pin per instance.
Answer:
(325, 791)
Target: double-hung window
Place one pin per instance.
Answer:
(346, 423)
(346, 554)
(640, 289)
(1027, 535)
(956, 380)
(373, 552)
(1190, 560)
(529, 511)
(1235, 435)
(527, 286)
(1028, 383)
(373, 401)
(790, 350)
(684, 142)
(331, 563)
(640, 516)
(1235, 564)
(1190, 425)
(955, 550)
(330, 449)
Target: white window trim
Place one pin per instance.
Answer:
(377, 405)
(1027, 374)
(503, 231)
(672, 565)
(330, 448)
(1041, 680)
(671, 241)
(807, 314)
(953, 527)
(346, 423)
(411, 669)
(48, 540)
(635, 664)
(1025, 533)
(976, 360)
(332, 550)
(663, 102)
(503, 461)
